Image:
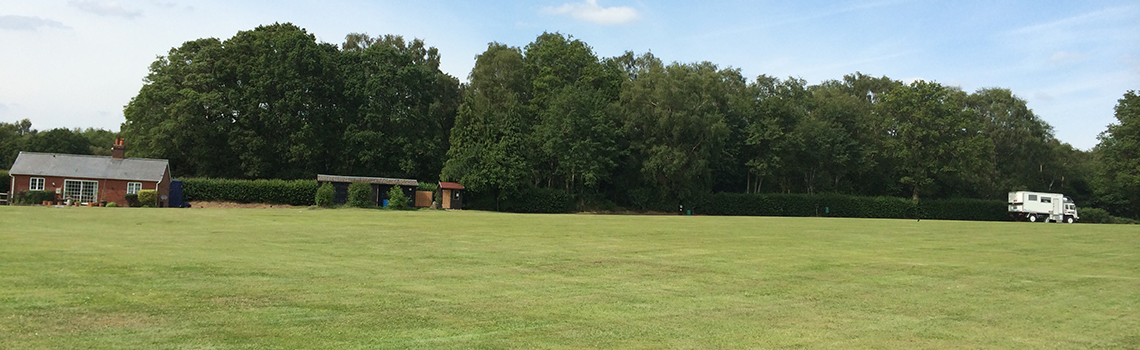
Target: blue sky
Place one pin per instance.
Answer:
(75, 63)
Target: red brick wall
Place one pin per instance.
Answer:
(164, 189)
(109, 190)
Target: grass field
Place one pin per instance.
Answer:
(90, 278)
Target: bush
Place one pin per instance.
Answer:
(535, 200)
(360, 195)
(427, 186)
(5, 181)
(295, 192)
(326, 194)
(133, 200)
(1094, 215)
(148, 198)
(112, 205)
(33, 197)
(433, 188)
(538, 200)
(837, 205)
(396, 199)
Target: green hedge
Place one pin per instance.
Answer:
(5, 181)
(33, 197)
(133, 200)
(836, 205)
(295, 192)
(326, 194)
(1101, 216)
(537, 200)
(148, 198)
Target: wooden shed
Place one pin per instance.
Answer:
(452, 195)
(380, 187)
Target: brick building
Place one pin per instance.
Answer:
(85, 178)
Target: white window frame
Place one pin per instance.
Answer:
(83, 191)
(32, 184)
(137, 187)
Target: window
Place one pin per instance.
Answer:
(134, 187)
(37, 184)
(1046, 200)
(1032, 197)
(81, 191)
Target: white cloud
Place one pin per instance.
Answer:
(28, 23)
(104, 8)
(590, 11)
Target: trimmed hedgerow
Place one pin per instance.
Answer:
(293, 192)
(965, 209)
(536, 200)
(539, 200)
(837, 205)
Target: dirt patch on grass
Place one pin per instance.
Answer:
(233, 205)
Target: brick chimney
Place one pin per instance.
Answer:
(119, 149)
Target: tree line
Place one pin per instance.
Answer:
(19, 136)
(631, 131)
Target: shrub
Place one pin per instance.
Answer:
(112, 205)
(1094, 215)
(837, 205)
(396, 199)
(538, 200)
(133, 200)
(33, 197)
(5, 181)
(148, 198)
(295, 192)
(427, 186)
(433, 188)
(326, 194)
(360, 195)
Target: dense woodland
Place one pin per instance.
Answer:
(628, 131)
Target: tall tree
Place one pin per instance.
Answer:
(1119, 154)
(400, 108)
(931, 134)
(574, 98)
(489, 141)
(675, 120)
(1022, 150)
(182, 114)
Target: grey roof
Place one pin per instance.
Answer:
(371, 180)
(88, 167)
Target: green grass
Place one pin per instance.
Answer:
(90, 278)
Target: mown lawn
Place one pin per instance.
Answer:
(90, 278)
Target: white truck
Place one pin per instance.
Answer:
(1040, 206)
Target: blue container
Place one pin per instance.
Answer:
(385, 203)
(175, 199)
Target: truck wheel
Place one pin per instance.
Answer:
(1070, 219)
(1032, 218)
